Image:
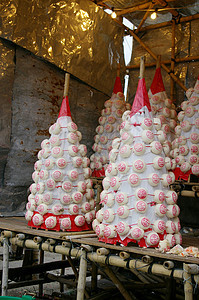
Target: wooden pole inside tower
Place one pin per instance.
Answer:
(172, 84)
(66, 84)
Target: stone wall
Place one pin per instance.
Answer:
(33, 92)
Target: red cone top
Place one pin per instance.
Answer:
(117, 86)
(157, 85)
(65, 108)
(141, 98)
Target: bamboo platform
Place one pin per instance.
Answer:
(86, 247)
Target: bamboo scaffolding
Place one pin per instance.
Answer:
(93, 256)
(136, 8)
(133, 264)
(170, 9)
(145, 17)
(166, 62)
(177, 80)
(169, 23)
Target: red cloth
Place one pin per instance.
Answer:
(180, 175)
(74, 227)
(141, 98)
(65, 108)
(117, 86)
(126, 241)
(157, 85)
(98, 173)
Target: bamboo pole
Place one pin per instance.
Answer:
(41, 261)
(140, 276)
(142, 67)
(189, 194)
(172, 59)
(158, 62)
(147, 259)
(5, 267)
(94, 273)
(169, 23)
(37, 239)
(188, 289)
(170, 9)
(166, 62)
(118, 283)
(66, 84)
(82, 276)
(118, 69)
(72, 266)
(168, 265)
(102, 251)
(62, 274)
(8, 234)
(124, 255)
(145, 17)
(134, 8)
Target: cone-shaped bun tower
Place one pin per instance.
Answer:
(186, 145)
(61, 196)
(108, 129)
(137, 204)
(162, 107)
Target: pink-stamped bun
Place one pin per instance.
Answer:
(79, 220)
(65, 223)
(122, 228)
(136, 233)
(109, 231)
(99, 230)
(37, 219)
(144, 223)
(139, 148)
(50, 222)
(67, 186)
(152, 238)
(159, 226)
(121, 198)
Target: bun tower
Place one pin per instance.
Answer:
(137, 204)
(186, 145)
(162, 107)
(61, 196)
(108, 128)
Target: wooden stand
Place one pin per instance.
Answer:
(146, 265)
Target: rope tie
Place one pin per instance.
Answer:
(127, 262)
(107, 259)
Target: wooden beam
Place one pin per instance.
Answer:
(172, 82)
(166, 62)
(145, 17)
(169, 23)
